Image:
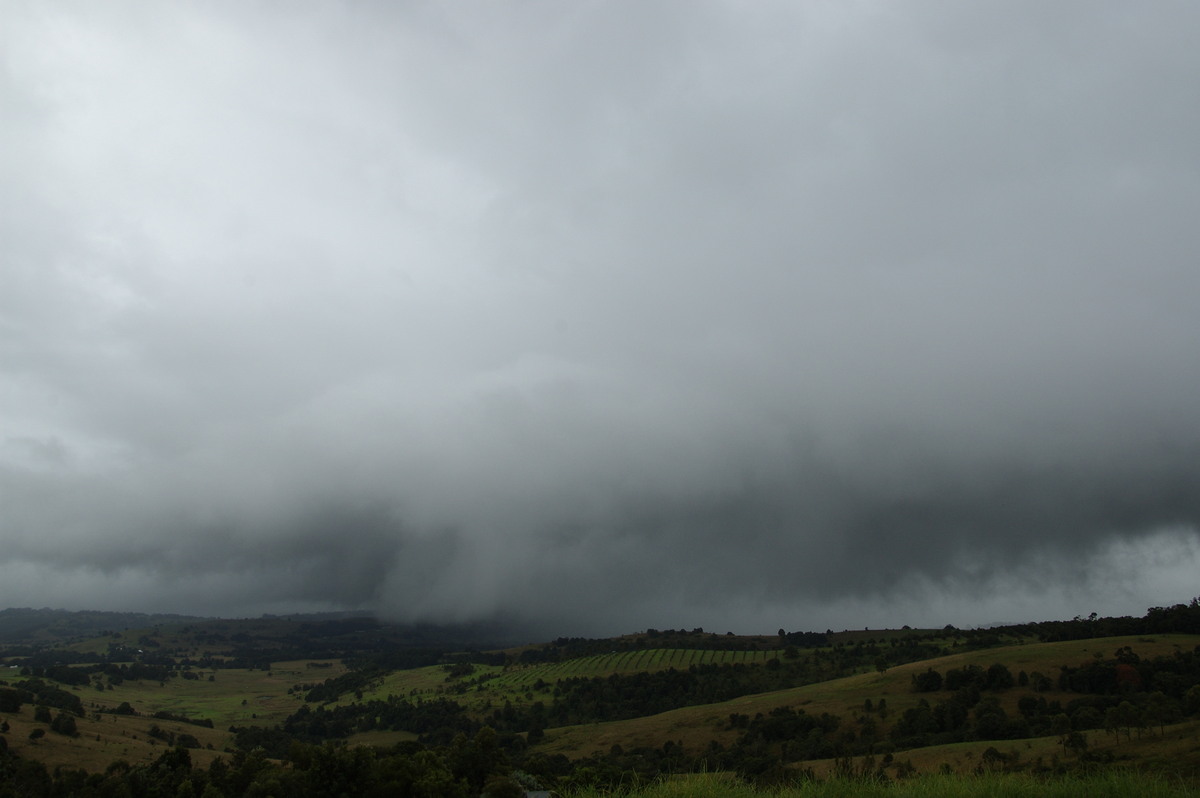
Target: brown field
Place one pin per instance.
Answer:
(106, 739)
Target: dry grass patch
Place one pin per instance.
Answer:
(101, 741)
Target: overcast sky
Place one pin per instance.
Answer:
(601, 316)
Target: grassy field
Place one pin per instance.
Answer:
(257, 697)
(236, 697)
(694, 727)
(492, 685)
(1176, 750)
(106, 738)
(1100, 785)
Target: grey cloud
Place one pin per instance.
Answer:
(659, 311)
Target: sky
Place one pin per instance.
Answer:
(594, 317)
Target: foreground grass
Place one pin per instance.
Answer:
(1117, 784)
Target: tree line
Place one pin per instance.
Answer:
(1122, 693)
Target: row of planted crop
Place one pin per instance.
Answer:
(627, 662)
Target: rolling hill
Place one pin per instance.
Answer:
(1035, 698)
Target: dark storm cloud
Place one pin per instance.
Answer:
(601, 316)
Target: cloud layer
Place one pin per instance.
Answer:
(601, 316)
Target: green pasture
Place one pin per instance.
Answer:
(256, 697)
(235, 696)
(492, 685)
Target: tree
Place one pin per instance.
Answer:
(1071, 740)
(1122, 717)
(36, 735)
(503, 787)
(999, 677)
(1191, 700)
(476, 759)
(1161, 710)
(1087, 718)
(928, 682)
(993, 758)
(1076, 743)
(10, 700)
(64, 723)
(991, 721)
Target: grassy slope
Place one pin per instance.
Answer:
(494, 685)
(1176, 750)
(236, 697)
(267, 703)
(1098, 785)
(104, 740)
(125, 737)
(696, 726)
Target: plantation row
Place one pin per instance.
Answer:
(489, 682)
(630, 662)
(483, 684)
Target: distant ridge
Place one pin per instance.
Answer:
(357, 630)
(25, 626)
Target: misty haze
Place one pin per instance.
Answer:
(593, 318)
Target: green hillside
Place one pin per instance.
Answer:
(847, 697)
(889, 704)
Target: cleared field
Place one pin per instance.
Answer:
(234, 697)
